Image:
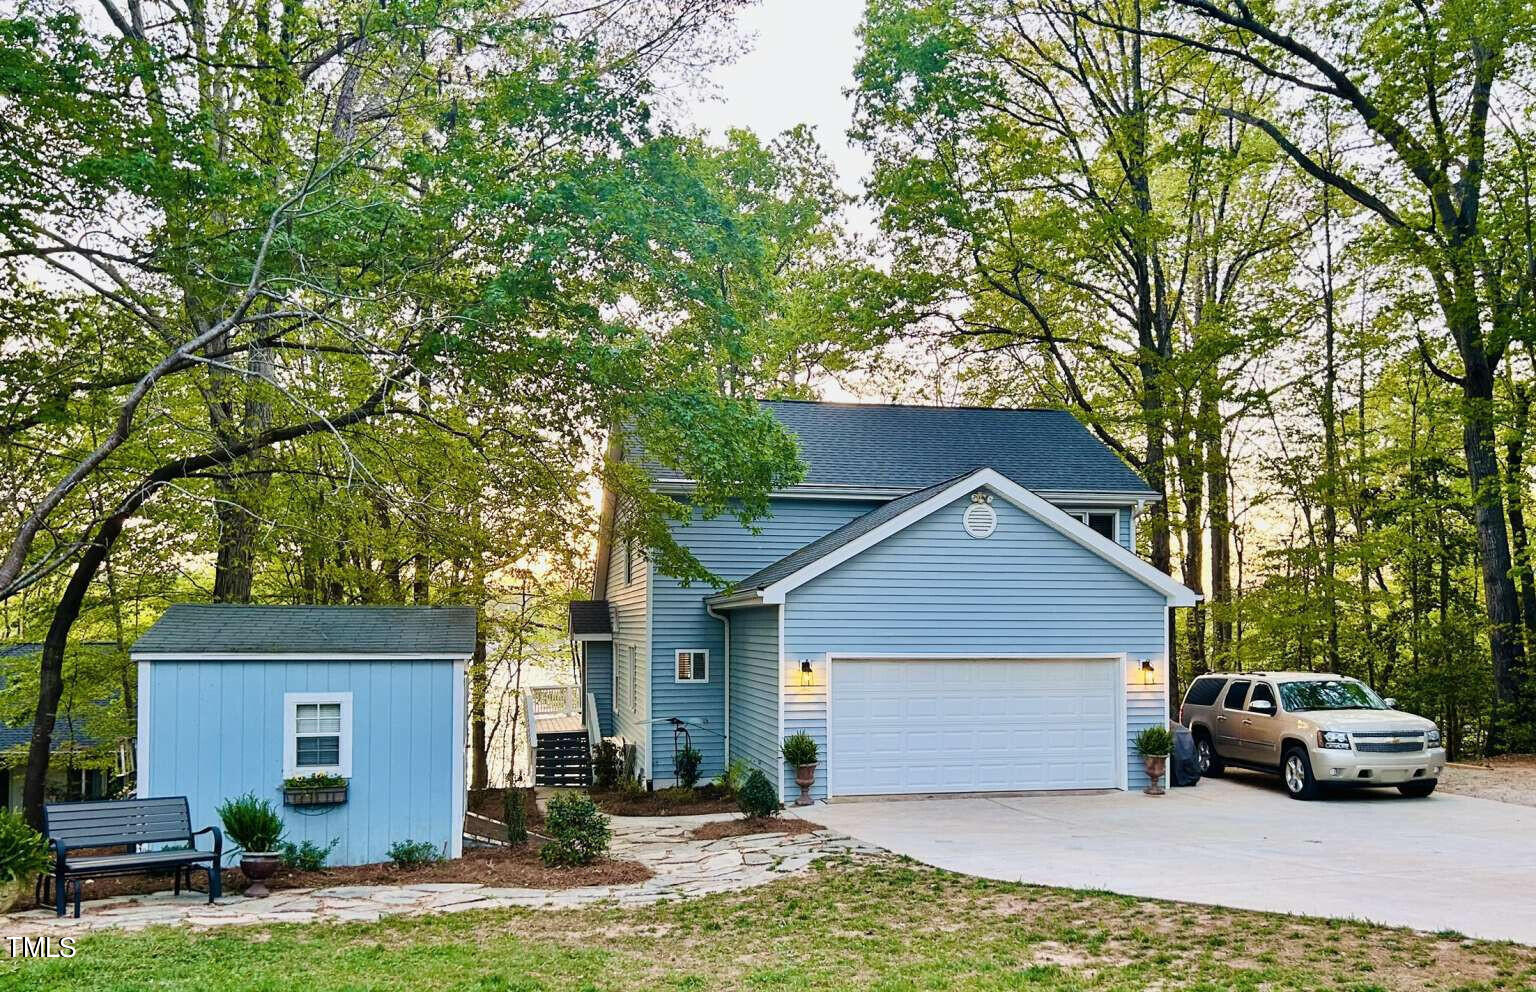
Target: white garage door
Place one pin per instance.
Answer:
(916, 726)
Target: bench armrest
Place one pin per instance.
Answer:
(218, 841)
(60, 852)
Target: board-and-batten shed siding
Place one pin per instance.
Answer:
(215, 731)
(931, 588)
(681, 622)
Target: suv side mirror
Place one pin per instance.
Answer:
(1262, 706)
(1391, 702)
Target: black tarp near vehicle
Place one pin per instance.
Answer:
(1184, 768)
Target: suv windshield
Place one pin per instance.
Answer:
(1329, 694)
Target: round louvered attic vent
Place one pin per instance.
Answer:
(980, 519)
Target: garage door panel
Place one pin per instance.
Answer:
(904, 726)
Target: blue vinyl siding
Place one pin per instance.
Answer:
(680, 622)
(599, 655)
(932, 589)
(755, 687)
(215, 731)
(630, 602)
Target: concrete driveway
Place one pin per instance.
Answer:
(1443, 863)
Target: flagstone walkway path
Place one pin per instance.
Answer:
(684, 868)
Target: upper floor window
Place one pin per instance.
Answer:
(693, 666)
(1105, 522)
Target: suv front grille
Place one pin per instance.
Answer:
(1389, 741)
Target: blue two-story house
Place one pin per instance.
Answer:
(950, 601)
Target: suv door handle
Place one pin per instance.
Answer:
(1221, 716)
(1247, 723)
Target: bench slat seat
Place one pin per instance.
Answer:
(126, 823)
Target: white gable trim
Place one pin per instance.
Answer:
(1176, 592)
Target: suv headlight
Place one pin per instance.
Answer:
(1432, 737)
(1336, 739)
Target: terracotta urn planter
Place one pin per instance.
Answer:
(257, 867)
(1155, 764)
(805, 777)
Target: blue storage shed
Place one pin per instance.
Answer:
(236, 699)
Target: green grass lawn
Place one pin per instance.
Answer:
(887, 925)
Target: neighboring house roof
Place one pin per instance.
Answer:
(896, 449)
(772, 583)
(229, 630)
(591, 620)
(65, 729)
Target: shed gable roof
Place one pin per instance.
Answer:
(772, 583)
(425, 632)
(904, 448)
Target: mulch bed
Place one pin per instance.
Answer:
(516, 868)
(667, 802)
(742, 826)
(491, 803)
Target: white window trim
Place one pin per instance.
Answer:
(678, 654)
(1080, 514)
(291, 703)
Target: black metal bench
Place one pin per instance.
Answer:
(125, 823)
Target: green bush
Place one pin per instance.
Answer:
(579, 830)
(307, 855)
(516, 816)
(734, 775)
(607, 765)
(23, 851)
(685, 765)
(251, 824)
(757, 796)
(1154, 742)
(799, 749)
(413, 853)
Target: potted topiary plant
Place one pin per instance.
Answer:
(799, 749)
(23, 856)
(1154, 744)
(255, 827)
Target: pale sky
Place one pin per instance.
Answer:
(800, 62)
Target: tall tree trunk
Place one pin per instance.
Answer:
(479, 689)
(1514, 475)
(239, 498)
(1330, 438)
(1219, 498)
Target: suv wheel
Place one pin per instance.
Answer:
(1296, 770)
(1205, 753)
(1418, 789)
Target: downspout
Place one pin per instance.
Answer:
(726, 657)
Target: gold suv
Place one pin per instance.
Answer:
(1312, 730)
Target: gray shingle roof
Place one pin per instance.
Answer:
(911, 447)
(318, 630)
(591, 616)
(846, 534)
(65, 730)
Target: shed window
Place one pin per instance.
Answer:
(318, 733)
(693, 666)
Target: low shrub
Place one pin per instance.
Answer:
(607, 765)
(757, 796)
(413, 853)
(579, 831)
(734, 775)
(252, 824)
(515, 815)
(685, 765)
(799, 749)
(307, 855)
(23, 851)
(1154, 741)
